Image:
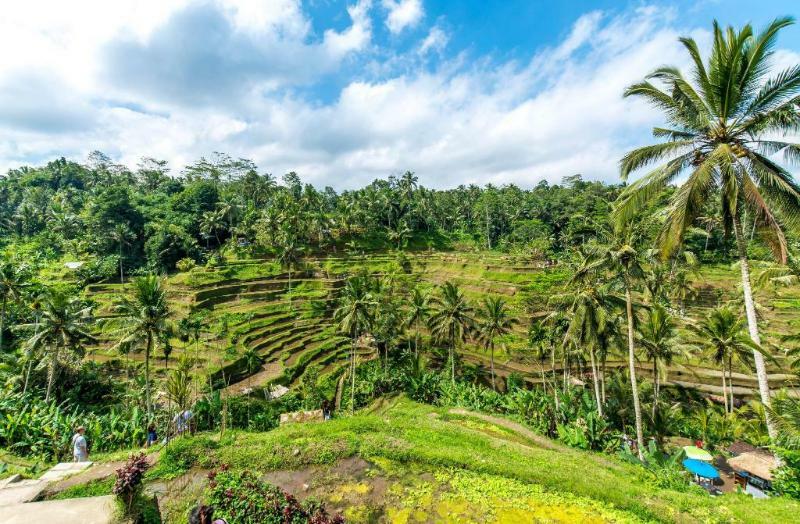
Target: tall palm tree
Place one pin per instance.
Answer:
(143, 320)
(354, 317)
(418, 311)
(494, 322)
(13, 280)
(721, 333)
(451, 321)
(121, 234)
(657, 337)
(721, 125)
(622, 262)
(289, 254)
(589, 310)
(62, 325)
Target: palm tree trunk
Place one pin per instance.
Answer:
(730, 380)
(51, 373)
(353, 376)
(655, 387)
(452, 361)
(637, 409)
(752, 327)
(3, 320)
(603, 379)
(491, 360)
(121, 276)
(147, 374)
(724, 391)
(596, 382)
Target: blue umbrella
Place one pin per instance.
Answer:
(701, 469)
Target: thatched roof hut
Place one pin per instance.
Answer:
(756, 463)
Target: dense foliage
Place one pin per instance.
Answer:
(243, 497)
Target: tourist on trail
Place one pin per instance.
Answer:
(80, 451)
(152, 435)
(183, 421)
(204, 515)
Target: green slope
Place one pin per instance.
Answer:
(406, 462)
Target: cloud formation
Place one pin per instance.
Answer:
(403, 14)
(177, 80)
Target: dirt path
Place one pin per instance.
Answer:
(268, 371)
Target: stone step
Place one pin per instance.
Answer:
(87, 510)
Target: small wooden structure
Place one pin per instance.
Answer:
(753, 469)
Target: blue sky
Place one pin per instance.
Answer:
(346, 91)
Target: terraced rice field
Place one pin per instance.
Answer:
(287, 319)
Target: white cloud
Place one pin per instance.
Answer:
(356, 37)
(403, 14)
(435, 41)
(559, 113)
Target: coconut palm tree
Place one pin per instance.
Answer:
(288, 257)
(451, 320)
(657, 337)
(589, 310)
(355, 316)
(721, 124)
(621, 261)
(722, 335)
(121, 234)
(13, 280)
(418, 311)
(143, 320)
(62, 325)
(494, 322)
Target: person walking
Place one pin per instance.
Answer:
(80, 450)
(152, 435)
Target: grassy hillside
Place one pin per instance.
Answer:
(404, 462)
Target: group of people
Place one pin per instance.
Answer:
(181, 423)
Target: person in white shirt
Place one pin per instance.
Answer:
(80, 452)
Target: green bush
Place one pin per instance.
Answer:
(243, 498)
(787, 477)
(31, 427)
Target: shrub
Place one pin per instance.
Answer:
(787, 477)
(185, 264)
(128, 486)
(243, 498)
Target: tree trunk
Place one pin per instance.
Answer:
(631, 363)
(752, 327)
(724, 390)
(353, 377)
(453, 361)
(603, 379)
(491, 360)
(121, 276)
(596, 383)
(147, 375)
(730, 380)
(3, 321)
(655, 387)
(51, 373)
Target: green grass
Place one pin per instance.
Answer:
(418, 436)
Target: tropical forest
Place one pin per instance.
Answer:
(214, 342)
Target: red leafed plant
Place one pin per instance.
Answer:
(129, 479)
